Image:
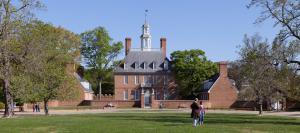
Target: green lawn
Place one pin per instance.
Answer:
(148, 123)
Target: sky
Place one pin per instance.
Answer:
(214, 26)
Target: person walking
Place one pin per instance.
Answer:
(33, 107)
(201, 113)
(195, 112)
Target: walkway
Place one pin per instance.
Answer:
(96, 111)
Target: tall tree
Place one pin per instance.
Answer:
(52, 49)
(264, 75)
(12, 15)
(191, 68)
(60, 47)
(286, 14)
(100, 52)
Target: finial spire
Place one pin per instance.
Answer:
(146, 14)
(146, 36)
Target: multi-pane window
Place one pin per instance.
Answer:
(136, 95)
(154, 79)
(126, 79)
(125, 93)
(136, 79)
(166, 94)
(148, 79)
(157, 95)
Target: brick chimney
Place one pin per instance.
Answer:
(163, 46)
(223, 69)
(127, 45)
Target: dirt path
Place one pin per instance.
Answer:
(95, 111)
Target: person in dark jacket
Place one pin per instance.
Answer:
(195, 114)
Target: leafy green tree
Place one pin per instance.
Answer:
(191, 68)
(107, 83)
(53, 49)
(13, 14)
(100, 52)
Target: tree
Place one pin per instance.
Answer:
(51, 51)
(264, 75)
(191, 68)
(99, 51)
(12, 15)
(286, 13)
(60, 47)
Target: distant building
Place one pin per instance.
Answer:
(145, 73)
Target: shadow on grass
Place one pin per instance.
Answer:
(180, 119)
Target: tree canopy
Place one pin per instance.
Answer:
(100, 52)
(191, 68)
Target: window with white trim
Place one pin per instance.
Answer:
(136, 95)
(136, 79)
(154, 65)
(125, 94)
(125, 79)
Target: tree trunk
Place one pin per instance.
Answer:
(260, 108)
(46, 108)
(100, 88)
(8, 100)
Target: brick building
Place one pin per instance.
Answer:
(144, 75)
(219, 91)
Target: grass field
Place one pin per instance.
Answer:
(149, 123)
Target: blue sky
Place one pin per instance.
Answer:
(215, 26)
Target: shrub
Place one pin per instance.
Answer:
(2, 106)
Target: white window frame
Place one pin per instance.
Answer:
(125, 95)
(125, 79)
(136, 95)
(154, 65)
(136, 79)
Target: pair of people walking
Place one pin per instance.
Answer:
(36, 107)
(198, 112)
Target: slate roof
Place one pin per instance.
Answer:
(207, 84)
(135, 61)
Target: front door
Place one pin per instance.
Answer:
(147, 98)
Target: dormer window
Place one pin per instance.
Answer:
(144, 66)
(124, 65)
(166, 65)
(153, 65)
(135, 65)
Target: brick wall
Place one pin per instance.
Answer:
(222, 94)
(120, 87)
(175, 104)
(116, 103)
